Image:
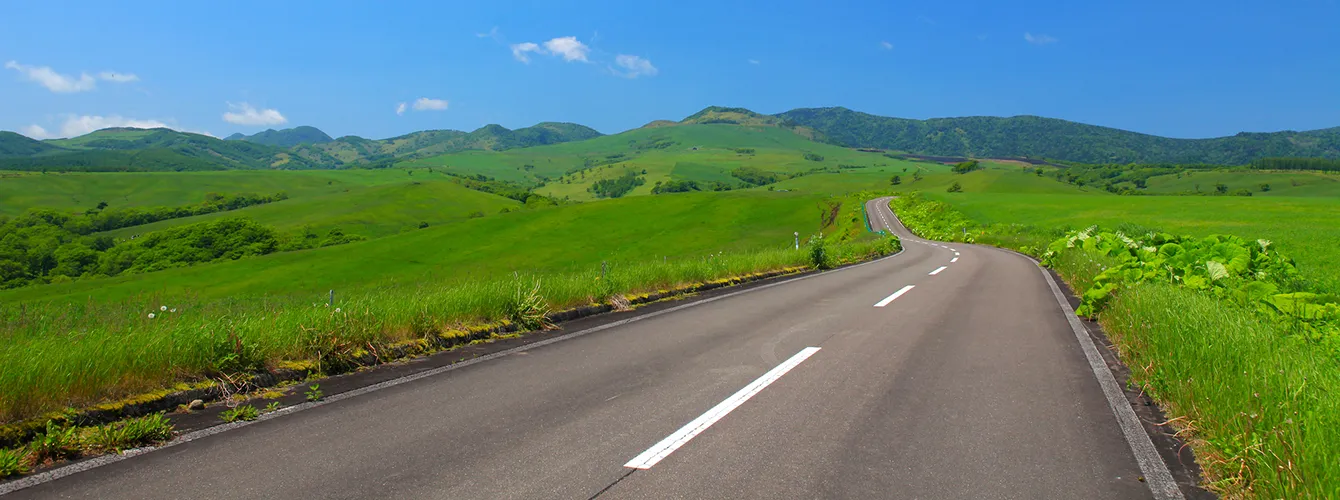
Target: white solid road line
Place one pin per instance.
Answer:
(1157, 475)
(953, 260)
(937, 271)
(895, 295)
(698, 425)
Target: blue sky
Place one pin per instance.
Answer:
(1181, 69)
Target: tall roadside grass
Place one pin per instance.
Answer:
(73, 355)
(1261, 408)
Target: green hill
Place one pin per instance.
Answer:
(1037, 137)
(706, 153)
(356, 150)
(373, 211)
(286, 138)
(159, 149)
(12, 144)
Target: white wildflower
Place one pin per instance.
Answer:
(151, 315)
(337, 309)
(172, 310)
(162, 308)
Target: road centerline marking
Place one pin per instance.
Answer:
(953, 260)
(937, 270)
(682, 436)
(895, 295)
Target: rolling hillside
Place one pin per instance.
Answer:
(160, 149)
(1037, 137)
(701, 152)
(355, 150)
(286, 138)
(19, 145)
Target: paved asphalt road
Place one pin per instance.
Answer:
(970, 384)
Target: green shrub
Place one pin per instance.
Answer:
(57, 443)
(955, 188)
(819, 258)
(528, 310)
(244, 412)
(13, 462)
(933, 219)
(965, 167)
(118, 436)
(1227, 268)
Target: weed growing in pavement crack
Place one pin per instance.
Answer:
(314, 393)
(272, 407)
(244, 412)
(118, 436)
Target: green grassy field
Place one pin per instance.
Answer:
(549, 239)
(370, 210)
(1284, 184)
(81, 191)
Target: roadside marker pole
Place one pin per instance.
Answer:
(331, 302)
(797, 240)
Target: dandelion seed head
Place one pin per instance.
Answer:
(337, 309)
(162, 308)
(151, 315)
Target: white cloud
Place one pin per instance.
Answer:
(52, 80)
(426, 104)
(400, 108)
(754, 62)
(1039, 39)
(568, 47)
(885, 45)
(635, 66)
(521, 51)
(492, 33)
(35, 132)
(77, 125)
(245, 114)
(113, 76)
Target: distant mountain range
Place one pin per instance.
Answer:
(979, 136)
(1037, 137)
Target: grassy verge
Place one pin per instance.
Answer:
(1243, 378)
(1261, 409)
(57, 356)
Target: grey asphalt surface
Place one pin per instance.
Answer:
(970, 385)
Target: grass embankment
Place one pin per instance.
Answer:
(76, 351)
(1248, 375)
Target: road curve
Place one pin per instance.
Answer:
(947, 371)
